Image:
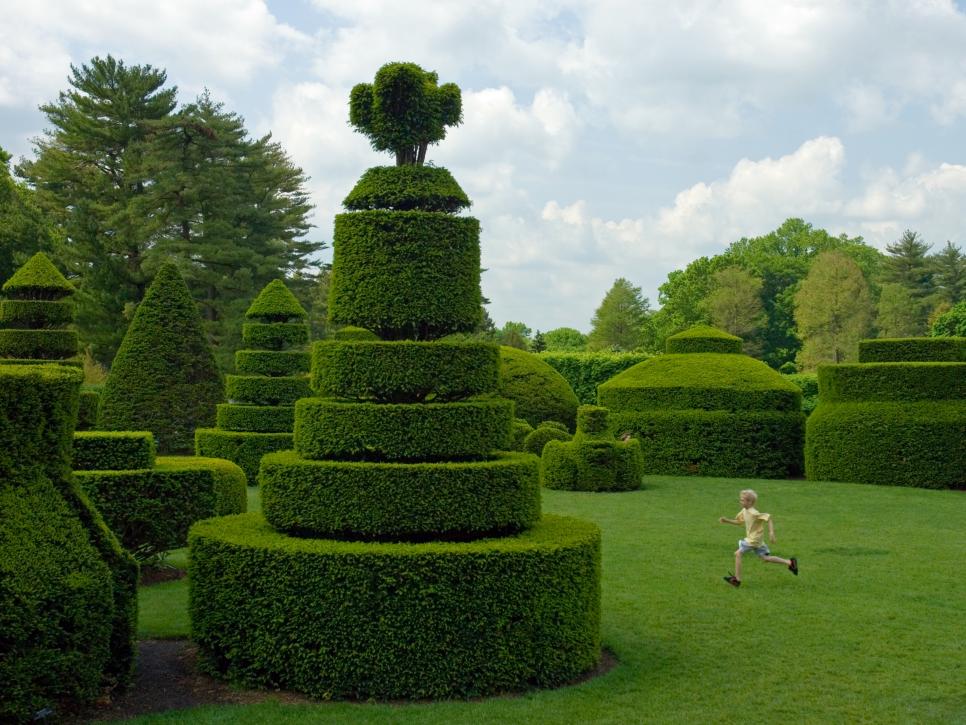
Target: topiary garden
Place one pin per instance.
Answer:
(539, 392)
(400, 555)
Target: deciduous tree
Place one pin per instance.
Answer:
(735, 305)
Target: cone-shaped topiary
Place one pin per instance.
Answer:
(164, 378)
(38, 279)
(260, 412)
(395, 516)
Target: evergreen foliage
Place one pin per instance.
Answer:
(541, 435)
(620, 324)
(539, 392)
(24, 229)
(703, 338)
(913, 349)
(404, 188)
(114, 450)
(275, 303)
(164, 378)
(898, 313)
(584, 371)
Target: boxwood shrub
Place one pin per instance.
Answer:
(892, 381)
(275, 335)
(244, 448)
(406, 274)
(398, 620)
(36, 314)
(539, 392)
(584, 371)
(404, 188)
(262, 390)
(90, 397)
(518, 433)
(113, 450)
(39, 344)
(273, 363)
(150, 510)
(351, 332)
(400, 500)
(405, 371)
(541, 435)
(418, 431)
(256, 418)
(703, 338)
(913, 349)
(275, 303)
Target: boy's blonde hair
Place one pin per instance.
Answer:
(751, 493)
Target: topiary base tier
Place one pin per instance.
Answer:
(399, 500)
(395, 620)
(243, 448)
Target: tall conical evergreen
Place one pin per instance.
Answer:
(164, 378)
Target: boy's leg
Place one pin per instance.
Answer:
(792, 563)
(738, 564)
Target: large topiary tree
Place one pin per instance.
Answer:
(399, 554)
(164, 378)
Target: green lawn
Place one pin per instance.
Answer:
(871, 631)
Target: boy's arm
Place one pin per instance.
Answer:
(723, 520)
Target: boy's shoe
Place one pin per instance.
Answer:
(732, 580)
(793, 567)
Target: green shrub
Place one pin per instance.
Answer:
(400, 620)
(400, 500)
(164, 378)
(703, 338)
(38, 279)
(256, 418)
(275, 303)
(406, 274)
(273, 363)
(87, 409)
(539, 392)
(275, 335)
(592, 422)
(351, 332)
(405, 371)
(404, 188)
(592, 465)
(244, 448)
(913, 349)
(518, 434)
(150, 510)
(951, 323)
(419, 431)
(541, 435)
(808, 384)
(900, 444)
(584, 371)
(39, 344)
(113, 450)
(70, 362)
(36, 314)
(261, 390)
(892, 381)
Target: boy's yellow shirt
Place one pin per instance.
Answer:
(754, 522)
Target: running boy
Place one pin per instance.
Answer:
(754, 522)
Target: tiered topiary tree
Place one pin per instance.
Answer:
(260, 414)
(68, 599)
(704, 409)
(897, 417)
(164, 378)
(398, 554)
(594, 460)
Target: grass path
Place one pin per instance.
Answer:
(870, 632)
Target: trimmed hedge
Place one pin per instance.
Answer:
(892, 381)
(164, 378)
(244, 448)
(420, 431)
(913, 349)
(584, 371)
(256, 418)
(353, 333)
(38, 344)
(405, 371)
(700, 381)
(400, 500)
(36, 314)
(404, 188)
(150, 510)
(900, 444)
(747, 444)
(808, 384)
(38, 279)
(275, 335)
(113, 450)
(541, 435)
(261, 390)
(276, 303)
(384, 620)
(518, 434)
(90, 398)
(539, 392)
(73, 362)
(703, 338)
(406, 274)
(273, 363)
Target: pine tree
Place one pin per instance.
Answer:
(23, 228)
(620, 322)
(833, 310)
(907, 264)
(949, 273)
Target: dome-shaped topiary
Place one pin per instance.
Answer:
(276, 303)
(703, 338)
(402, 188)
(539, 391)
(543, 434)
(164, 378)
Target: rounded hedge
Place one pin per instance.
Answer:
(592, 465)
(420, 431)
(39, 344)
(892, 381)
(405, 371)
(276, 303)
(913, 349)
(703, 338)
(150, 510)
(261, 390)
(273, 363)
(541, 435)
(353, 333)
(408, 187)
(406, 274)
(539, 392)
(518, 434)
(113, 450)
(36, 314)
(919, 444)
(584, 371)
(400, 500)
(275, 335)
(243, 448)
(393, 620)
(256, 418)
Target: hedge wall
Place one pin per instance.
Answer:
(113, 450)
(400, 620)
(256, 418)
(244, 448)
(584, 371)
(400, 500)
(405, 188)
(913, 349)
(150, 510)
(539, 392)
(892, 381)
(703, 338)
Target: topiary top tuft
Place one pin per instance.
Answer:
(38, 279)
(703, 338)
(276, 303)
(406, 188)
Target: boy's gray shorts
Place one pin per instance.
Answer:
(744, 547)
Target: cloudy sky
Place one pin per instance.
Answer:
(602, 138)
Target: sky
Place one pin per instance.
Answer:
(601, 138)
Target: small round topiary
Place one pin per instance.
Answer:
(703, 338)
(539, 391)
(541, 435)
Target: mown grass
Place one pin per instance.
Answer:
(870, 632)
